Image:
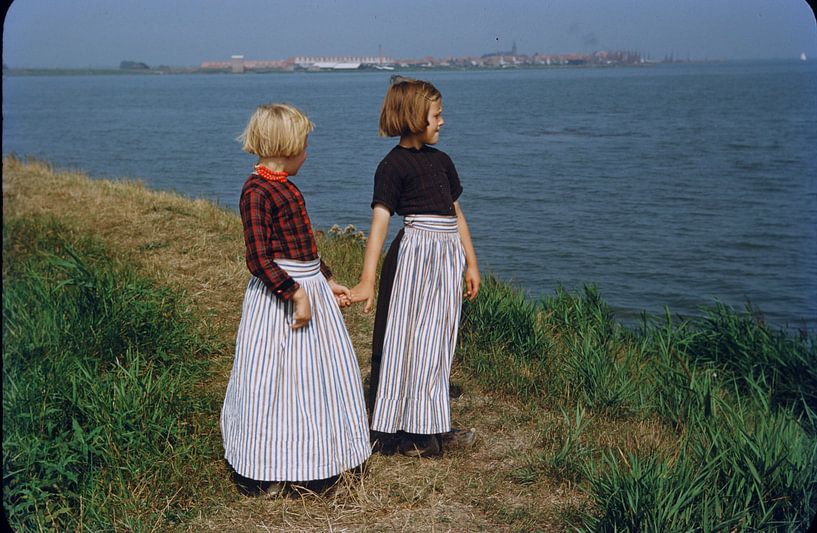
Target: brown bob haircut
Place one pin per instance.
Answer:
(276, 130)
(405, 107)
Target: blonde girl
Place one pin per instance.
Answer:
(294, 408)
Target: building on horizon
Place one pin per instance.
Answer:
(339, 62)
(238, 64)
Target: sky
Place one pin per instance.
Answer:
(102, 33)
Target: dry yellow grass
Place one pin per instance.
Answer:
(197, 247)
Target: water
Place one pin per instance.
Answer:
(674, 185)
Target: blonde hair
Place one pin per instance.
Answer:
(405, 107)
(276, 130)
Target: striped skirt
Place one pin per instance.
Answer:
(421, 329)
(294, 407)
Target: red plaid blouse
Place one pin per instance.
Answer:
(276, 226)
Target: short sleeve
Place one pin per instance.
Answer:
(453, 179)
(387, 186)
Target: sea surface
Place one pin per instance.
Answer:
(664, 185)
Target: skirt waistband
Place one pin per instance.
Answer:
(300, 269)
(431, 223)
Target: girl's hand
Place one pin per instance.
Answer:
(303, 311)
(342, 293)
(363, 292)
(471, 282)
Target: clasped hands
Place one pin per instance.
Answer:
(302, 312)
(362, 292)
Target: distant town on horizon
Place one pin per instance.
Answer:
(303, 63)
(508, 59)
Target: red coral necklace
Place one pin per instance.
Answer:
(271, 175)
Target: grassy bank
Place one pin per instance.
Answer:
(100, 369)
(135, 295)
(734, 400)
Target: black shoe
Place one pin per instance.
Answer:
(417, 445)
(245, 485)
(454, 391)
(273, 489)
(458, 439)
(385, 443)
(256, 488)
(317, 486)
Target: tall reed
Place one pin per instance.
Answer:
(748, 348)
(737, 395)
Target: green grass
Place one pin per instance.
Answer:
(745, 346)
(111, 417)
(102, 425)
(343, 250)
(738, 396)
(562, 452)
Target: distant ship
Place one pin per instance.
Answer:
(802, 56)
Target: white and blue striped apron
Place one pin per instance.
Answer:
(421, 329)
(294, 407)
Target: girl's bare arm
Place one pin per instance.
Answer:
(472, 269)
(364, 291)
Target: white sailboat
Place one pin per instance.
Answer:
(802, 56)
